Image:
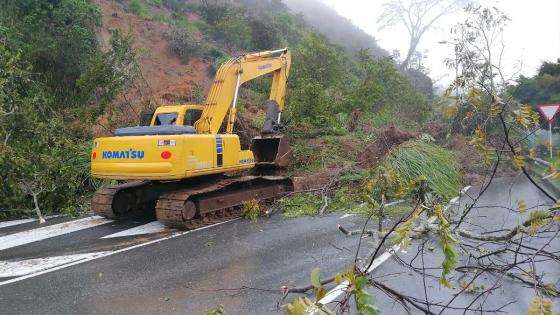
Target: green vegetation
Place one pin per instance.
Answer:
(306, 204)
(252, 210)
(327, 81)
(400, 176)
(137, 7)
(418, 158)
(334, 149)
(56, 83)
(53, 82)
(543, 88)
(186, 44)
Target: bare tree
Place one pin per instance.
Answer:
(34, 188)
(417, 16)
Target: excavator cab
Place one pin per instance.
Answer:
(146, 118)
(189, 113)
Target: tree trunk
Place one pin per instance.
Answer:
(37, 210)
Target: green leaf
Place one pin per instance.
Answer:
(540, 306)
(369, 310)
(364, 298)
(316, 278)
(361, 282)
(338, 278)
(321, 292)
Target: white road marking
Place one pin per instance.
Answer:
(342, 287)
(150, 228)
(22, 221)
(15, 222)
(109, 253)
(28, 266)
(39, 234)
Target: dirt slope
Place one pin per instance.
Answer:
(164, 78)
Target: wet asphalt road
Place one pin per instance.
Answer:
(491, 214)
(186, 274)
(239, 264)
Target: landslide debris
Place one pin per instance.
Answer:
(386, 139)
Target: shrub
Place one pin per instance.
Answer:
(252, 209)
(163, 18)
(381, 86)
(219, 59)
(43, 151)
(233, 32)
(56, 38)
(175, 5)
(214, 11)
(264, 32)
(186, 44)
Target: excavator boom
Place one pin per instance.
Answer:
(222, 97)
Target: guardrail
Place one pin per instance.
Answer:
(543, 162)
(546, 179)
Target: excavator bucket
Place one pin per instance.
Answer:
(271, 150)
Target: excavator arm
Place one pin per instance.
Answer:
(222, 97)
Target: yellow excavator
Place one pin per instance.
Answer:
(177, 160)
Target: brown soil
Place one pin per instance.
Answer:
(437, 130)
(316, 180)
(163, 71)
(164, 79)
(471, 162)
(386, 139)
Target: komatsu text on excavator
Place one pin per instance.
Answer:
(176, 161)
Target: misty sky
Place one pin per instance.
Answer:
(532, 35)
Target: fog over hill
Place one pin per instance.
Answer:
(335, 27)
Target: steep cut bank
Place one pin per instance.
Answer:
(164, 78)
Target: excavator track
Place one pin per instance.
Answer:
(187, 204)
(130, 200)
(214, 202)
(116, 202)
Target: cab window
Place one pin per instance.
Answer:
(166, 119)
(191, 116)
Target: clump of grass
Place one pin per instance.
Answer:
(344, 199)
(251, 209)
(306, 204)
(419, 158)
(137, 7)
(160, 17)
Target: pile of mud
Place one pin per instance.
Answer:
(316, 180)
(386, 139)
(471, 162)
